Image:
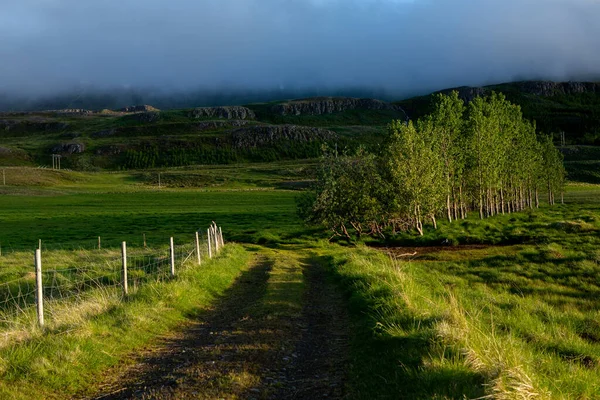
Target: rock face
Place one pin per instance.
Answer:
(330, 105)
(256, 136)
(135, 109)
(546, 88)
(72, 111)
(213, 125)
(537, 88)
(68, 148)
(233, 112)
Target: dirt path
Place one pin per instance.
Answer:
(271, 336)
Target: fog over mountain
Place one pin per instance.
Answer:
(392, 48)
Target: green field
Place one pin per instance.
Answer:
(509, 309)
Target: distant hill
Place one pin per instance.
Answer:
(144, 136)
(569, 107)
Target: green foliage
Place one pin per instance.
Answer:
(345, 194)
(487, 159)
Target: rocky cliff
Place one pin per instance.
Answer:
(216, 125)
(233, 112)
(330, 105)
(547, 88)
(135, 109)
(256, 136)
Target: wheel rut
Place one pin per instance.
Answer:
(255, 343)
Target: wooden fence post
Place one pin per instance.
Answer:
(221, 237)
(214, 231)
(144, 240)
(208, 241)
(198, 248)
(39, 296)
(99, 243)
(124, 270)
(172, 257)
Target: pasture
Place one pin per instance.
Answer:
(507, 307)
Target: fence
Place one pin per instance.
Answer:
(48, 292)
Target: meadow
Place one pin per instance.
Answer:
(507, 308)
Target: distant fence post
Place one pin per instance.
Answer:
(124, 270)
(221, 237)
(208, 241)
(215, 236)
(144, 240)
(172, 257)
(99, 243)
(198, 247)
(39, 293)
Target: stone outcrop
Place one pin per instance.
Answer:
(214, 125)
(233, 112)
(537, 88)
(68, 148)
(72, 111)
(330, 105)
(255, 136)
(546, 88)
(136, 109)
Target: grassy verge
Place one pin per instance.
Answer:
(67, 356)
(509, 323)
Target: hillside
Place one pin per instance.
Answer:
(569, 107)
(141, 137)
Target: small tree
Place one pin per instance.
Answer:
(346, 195)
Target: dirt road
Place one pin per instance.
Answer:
(280, 332)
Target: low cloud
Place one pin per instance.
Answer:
(400, 47)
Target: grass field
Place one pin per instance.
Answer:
(514, 314)
(514, 321)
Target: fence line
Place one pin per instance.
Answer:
(23, 299)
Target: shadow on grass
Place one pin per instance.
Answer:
(396, 365)
(211, 356)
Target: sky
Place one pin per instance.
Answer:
(401, 46)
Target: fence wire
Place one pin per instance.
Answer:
(69, 286)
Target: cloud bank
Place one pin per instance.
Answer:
(402, 47)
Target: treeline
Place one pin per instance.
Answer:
(482, 158)
(183, 154)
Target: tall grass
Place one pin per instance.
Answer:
(517, 325)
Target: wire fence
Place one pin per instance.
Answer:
(47, 289)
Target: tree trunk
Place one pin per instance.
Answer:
(480, 205)
(537, 199)
(449, 207)
(502, 200)
(462, 204)
(434, 221)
